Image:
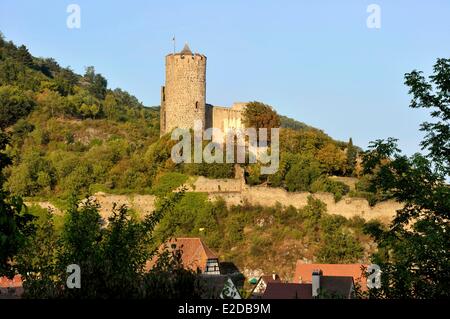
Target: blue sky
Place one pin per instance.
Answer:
(315, 61)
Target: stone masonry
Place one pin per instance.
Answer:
(183, 97)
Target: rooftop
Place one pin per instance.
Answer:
(279, 290)
(186, 49)
(194, 252)
(330, 287)
(304, 271)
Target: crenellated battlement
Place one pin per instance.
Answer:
(183, 97)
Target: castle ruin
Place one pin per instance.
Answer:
(183, 97)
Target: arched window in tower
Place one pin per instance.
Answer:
(196, 105)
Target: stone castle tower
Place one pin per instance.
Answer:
(183, 98)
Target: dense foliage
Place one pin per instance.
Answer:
(112, 257)
(414, 253)
(15, 221)
(71, 133)
(261, 237)
(259, 115)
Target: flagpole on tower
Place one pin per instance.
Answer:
(173, 39)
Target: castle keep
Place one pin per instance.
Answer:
(183, 97)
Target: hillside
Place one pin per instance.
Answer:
(72, 135)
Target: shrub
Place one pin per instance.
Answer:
(211, 170)
(235, 229)
(324, 184)
(253, 174)
(370, 197)
(259, 245)
(167, 183)
(332, 223)
(188, 216)
(14, 104)
(259, 115)
(339, 247)
(302, 174)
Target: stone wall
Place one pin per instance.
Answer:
(234, 193)
(143, 204)
(225, 185)
(347, 206)
(220, 185)
(183, 97)
(225, 118)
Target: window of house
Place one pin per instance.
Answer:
(212, 266)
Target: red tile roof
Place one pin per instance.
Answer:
(281, 290)
(15, 282)
(330, 286)
(303, 272)
(11, 288)
(194, 252)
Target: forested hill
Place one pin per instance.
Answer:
(71, 133)
(29, 83)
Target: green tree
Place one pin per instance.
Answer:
(98, 84)
(311, 215)
(110, 106)
(351, 158)
(14, 104)
(193, 212)
(33, 173)
(37, 260)
(339, 247)
(259, 115)
(332, 159)
(112, 257)
(302, 174)
(51, 102)
(14, 220)
(414, 254)
(168, 182)
(66, 80)
(23, 56)
(325, 184)
(169, 279)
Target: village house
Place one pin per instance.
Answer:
(261, 285)
(303, 272)
(219, 287)
(195, 255)
(335, 287)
